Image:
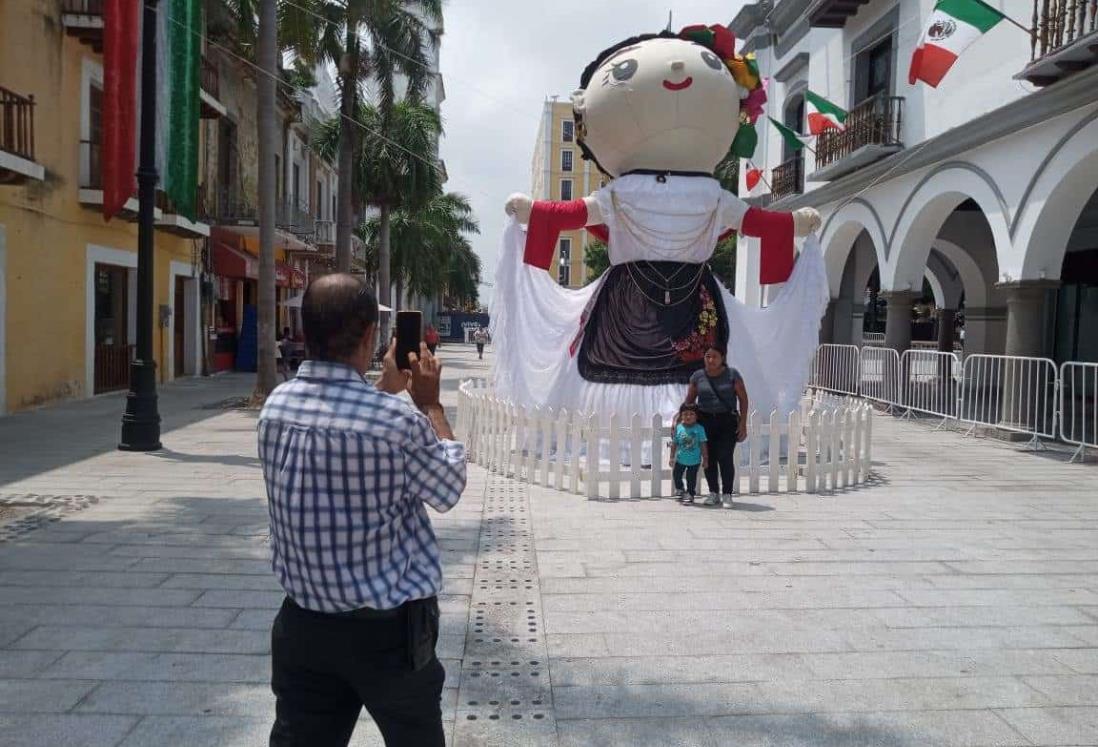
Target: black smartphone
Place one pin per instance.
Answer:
(409, 332)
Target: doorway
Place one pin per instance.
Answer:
(113, 352)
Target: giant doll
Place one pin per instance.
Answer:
(656, 113)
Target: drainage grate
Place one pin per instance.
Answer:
(20, 514)
(505, 672)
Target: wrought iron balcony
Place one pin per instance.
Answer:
(1064, 40)
(17, 139)
(296, 219)
(872, 131)
(788, 178)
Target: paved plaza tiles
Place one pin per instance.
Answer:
(952, 602)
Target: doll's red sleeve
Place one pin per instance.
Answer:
(775, 229)
(547, 220)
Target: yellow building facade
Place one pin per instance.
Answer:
(67, 276)
(558, 172)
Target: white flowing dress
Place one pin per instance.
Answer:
(534, 321)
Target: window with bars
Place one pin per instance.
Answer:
(566, 160)
(566, 189)
(564, 272)
(567, 131)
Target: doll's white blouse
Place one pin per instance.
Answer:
(676, 220)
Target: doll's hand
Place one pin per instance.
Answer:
(806, 221)
(519, 205)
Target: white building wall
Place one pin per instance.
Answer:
(1030, 182)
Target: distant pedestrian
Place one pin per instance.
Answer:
(282, 353)
(430, 336)
(689, 451)
(721, 397)
(480, 337)
(350, 470)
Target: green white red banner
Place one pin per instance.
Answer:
(952, 27)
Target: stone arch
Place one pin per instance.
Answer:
(945, 281)
(1052, 208)
(839, 233)
(924, 213)
(973, 279)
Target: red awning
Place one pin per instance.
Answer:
(233, 263)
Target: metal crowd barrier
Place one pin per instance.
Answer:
(929, 383)
(1026, 395)
(1012, 393)
(835, 369)
(1079, 406)
(879, 376)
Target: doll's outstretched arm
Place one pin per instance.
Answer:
(775, 229)
(545, 219)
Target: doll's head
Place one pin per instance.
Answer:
(669, 102)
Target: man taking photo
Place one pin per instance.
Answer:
(350, 469)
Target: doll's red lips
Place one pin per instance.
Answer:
(677, 86)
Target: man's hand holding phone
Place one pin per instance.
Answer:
(393, 380)
(425, 388)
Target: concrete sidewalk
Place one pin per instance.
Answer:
(953, 602)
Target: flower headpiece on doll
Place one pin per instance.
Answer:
(745, 70)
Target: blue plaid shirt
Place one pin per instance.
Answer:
(348, 470)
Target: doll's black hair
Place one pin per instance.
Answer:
(589, 72)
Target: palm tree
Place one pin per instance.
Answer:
(431, 254)
(463, 276)
(396, 168)
(267, 54)
(367, 41)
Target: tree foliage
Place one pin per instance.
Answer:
(431, 253)
(597, 260)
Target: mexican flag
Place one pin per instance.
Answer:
(826, 116)
(794, 140)
(178, 44)
(752, 177)
(949, 31)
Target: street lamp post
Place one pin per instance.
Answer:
(141, 421)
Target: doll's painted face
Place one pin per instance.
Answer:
(664, 104)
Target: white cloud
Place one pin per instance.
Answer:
(500, 60)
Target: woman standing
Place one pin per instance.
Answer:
(721, 398)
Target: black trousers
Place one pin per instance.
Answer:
(480, 349)
(326, 668)
(690, 472)
(720, 435)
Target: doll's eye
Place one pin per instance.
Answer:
(712, 60)
(624, 70)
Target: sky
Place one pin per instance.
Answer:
(500, 60)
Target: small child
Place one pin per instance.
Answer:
(688, 451)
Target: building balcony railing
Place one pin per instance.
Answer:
(788, 178)
(872, 130)
(232, 208)
(296, 219)
(1064, 40)
(17, 138)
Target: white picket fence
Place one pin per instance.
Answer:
(825, 445)
(1025, 395)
